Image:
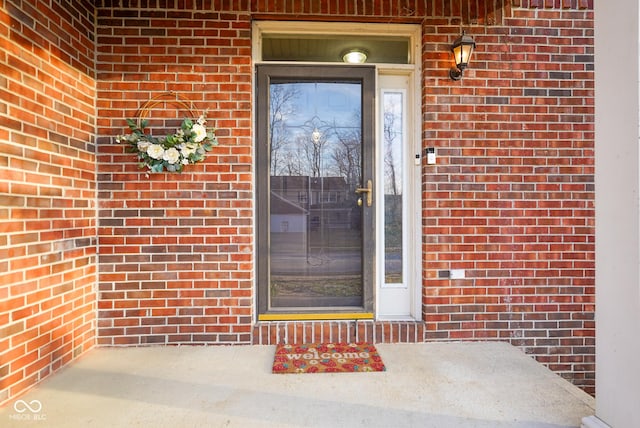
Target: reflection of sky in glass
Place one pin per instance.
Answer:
(393, 141)
(331, 111)
(327, 102)
(393, 119)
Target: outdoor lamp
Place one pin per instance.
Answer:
(354, 56)
(462, 49)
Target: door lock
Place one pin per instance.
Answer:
(368, 190)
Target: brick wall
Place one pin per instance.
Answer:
(510, 201)
(175, 249)
(47, 189)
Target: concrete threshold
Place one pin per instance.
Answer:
(487, 384)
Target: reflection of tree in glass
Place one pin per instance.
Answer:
(391, 132)
(346, 154)
(281, 106)
(313, 149)
(392, 129)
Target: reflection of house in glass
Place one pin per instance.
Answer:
(319, 203)
(314, 243)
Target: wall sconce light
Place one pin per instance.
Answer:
(354, 56)
(462, 49)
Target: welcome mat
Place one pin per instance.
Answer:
(327, 358)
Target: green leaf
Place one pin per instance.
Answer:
(132, 124)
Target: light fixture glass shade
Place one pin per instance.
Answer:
(462, 49)
(354, 56)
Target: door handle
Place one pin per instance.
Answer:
(368, 190)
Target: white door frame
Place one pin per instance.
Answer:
(401, 301)
(410, 292)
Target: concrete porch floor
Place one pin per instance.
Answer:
(425, 385)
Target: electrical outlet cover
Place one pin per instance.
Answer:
(457, 273)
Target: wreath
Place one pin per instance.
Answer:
(188, 145)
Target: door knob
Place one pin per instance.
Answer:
(368, 190)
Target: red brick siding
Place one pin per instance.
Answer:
(272, 333)
(553, 4)
(47, 189)
(175, 249)
(510, 201)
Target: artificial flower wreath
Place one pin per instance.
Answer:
(188, 145)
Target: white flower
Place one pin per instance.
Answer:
(200, 132)
(171, 155)
(155, 151)
(143, 145)
(187, 149)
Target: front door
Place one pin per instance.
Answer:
(315, 190)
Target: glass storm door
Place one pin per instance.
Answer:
(315, 189)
